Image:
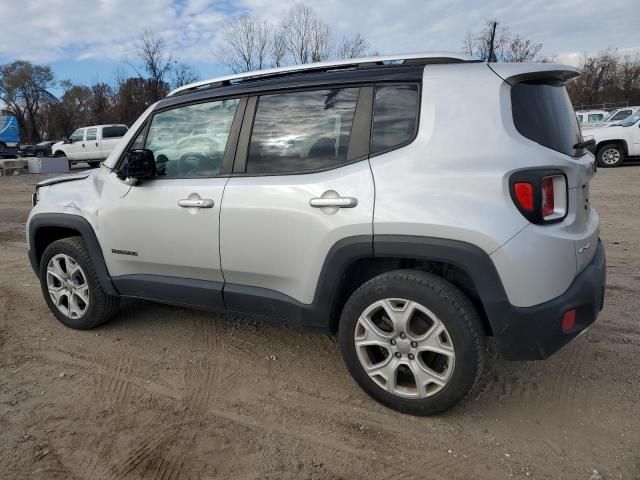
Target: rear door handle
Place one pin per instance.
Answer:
(340, 202)
(196, 203)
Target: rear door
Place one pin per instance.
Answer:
(160, 238)
(91, 147)
(301, 183)
(110, 136)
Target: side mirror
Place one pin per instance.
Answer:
(66, 140)
(138, 164)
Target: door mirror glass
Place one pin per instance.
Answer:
(139, 164)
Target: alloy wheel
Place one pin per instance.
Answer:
(611, 156)
(67, 286)
(404, 348)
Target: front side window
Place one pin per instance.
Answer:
(92, 134)
(77, 136)
(114, 132)
(395, 114)
(299, 131)
(595, 117)
(190, 141)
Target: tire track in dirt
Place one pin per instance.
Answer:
(115, 382)
(141, 456)
(563, 393)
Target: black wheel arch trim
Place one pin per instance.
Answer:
(85, 230)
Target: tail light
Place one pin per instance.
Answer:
(540, 195)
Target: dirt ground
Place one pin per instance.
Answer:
(170, 393)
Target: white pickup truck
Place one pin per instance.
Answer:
(615, 143)
(90, 144)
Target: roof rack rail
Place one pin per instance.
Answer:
(411, 58)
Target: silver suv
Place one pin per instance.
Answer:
(412, 205)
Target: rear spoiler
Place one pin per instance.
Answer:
(519, 72)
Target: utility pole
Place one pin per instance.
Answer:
(493, 37)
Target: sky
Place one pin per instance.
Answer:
(87, 40)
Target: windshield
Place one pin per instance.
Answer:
(630, 120)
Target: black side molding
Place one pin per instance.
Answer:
(173, 290)
(84, 228)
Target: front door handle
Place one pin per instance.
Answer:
(196, 203)
(339, 202)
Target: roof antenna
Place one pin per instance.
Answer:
(491, 58)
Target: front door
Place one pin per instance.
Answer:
(75, 149)
(160, 238)
(301, 187)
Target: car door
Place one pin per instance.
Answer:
(91, 149)
(160, 238)
(301, 184)
(74, 150)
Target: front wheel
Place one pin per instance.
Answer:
(412, 341)
(610, 155)
(70, 285)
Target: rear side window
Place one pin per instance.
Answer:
(114, 132)
(595, 117)
(395, 114)
(298, 131)
(543, 113)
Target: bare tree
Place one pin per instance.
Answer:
(504, 48)
(183, 74)
(308, 38)
(246, 43)
(156, 62)
(628, 76)
(354, 47)
(25, 88)
(278, 47)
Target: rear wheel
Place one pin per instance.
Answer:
(610, 155)
(70, 285)
(412, 341)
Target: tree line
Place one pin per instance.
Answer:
(251, 43)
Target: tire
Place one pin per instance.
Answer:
(610, 155)
(72, 254)
(435, 303)
(94, 164)
(3, 148)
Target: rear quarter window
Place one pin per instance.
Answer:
(542, 112)
(114, 132)
(395, 117)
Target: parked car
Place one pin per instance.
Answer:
(590, 117)
(90, 144)
(25, 149)
(278, 220)
(616, 116)
(615, 143)
(42, 149)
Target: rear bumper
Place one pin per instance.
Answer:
(535, 333)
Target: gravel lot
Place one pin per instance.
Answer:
(171, 393)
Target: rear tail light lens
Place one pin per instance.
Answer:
(524, 195)
(540, 195)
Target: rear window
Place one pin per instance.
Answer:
(543, 113)
(114, 132)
